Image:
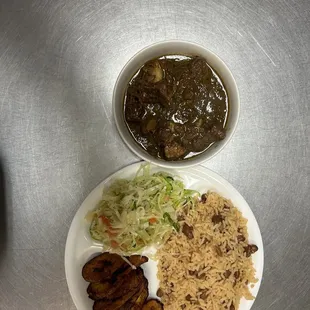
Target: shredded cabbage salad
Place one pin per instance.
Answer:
(141, 212)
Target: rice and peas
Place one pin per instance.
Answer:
(209, 265)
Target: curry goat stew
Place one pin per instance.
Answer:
(176, 107)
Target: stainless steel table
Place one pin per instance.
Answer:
(59, 60)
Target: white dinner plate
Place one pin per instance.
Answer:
(80, 247)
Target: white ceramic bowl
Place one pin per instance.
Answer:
(174, 48)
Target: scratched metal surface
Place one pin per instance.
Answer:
(58, 63)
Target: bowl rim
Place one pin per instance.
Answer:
(200, 158)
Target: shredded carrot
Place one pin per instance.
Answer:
(105, 220)
(111, 233)
(114, 244)
(152, 220)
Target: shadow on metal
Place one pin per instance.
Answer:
(3, 214)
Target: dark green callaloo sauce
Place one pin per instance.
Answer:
(176, 107)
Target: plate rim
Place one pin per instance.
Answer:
(200, 169)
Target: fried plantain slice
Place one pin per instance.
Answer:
(105, 265)
(101, 290)
(130, 287)
(133, 282)
(153, 304)
(137, 260)
(137, 300)
(112, 289)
